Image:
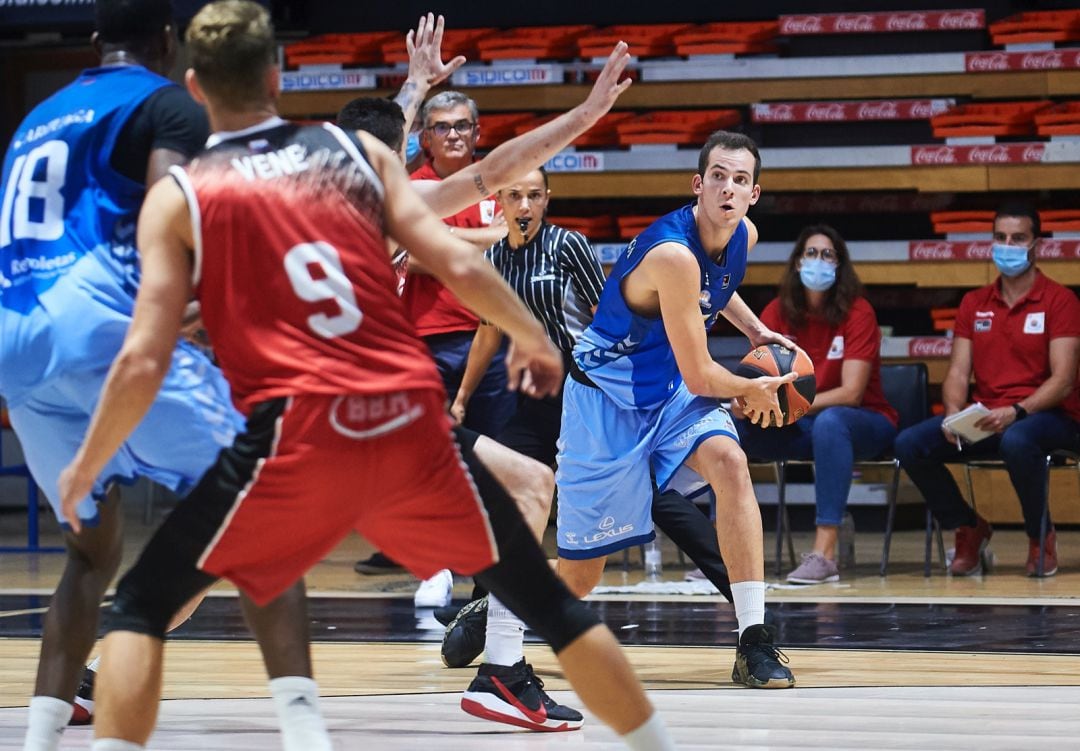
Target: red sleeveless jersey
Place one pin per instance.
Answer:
(291, 268)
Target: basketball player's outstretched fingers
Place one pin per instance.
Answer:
(608, 87)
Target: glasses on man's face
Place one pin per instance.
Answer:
(825, 254)
(461, 127)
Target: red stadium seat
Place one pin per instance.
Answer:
(538, 42)
(675, 126)
(651, 40)
(962, 221)
(339, 49)
(497, 127)
(600, 134)
(1037, 26)
(1059, 120)
(745, 38)
(632, 226)
(996, 119)
(593, 227)
(1060, 220)
(455, 42)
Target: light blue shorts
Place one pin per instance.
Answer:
(608, 456)
(191, 420)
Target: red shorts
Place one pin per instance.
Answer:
(383, 465)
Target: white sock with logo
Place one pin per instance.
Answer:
(749, 601)
(505, 644)
(296, 701)
(45, 723)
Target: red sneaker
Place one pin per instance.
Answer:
(970, 547)
(1049, 562)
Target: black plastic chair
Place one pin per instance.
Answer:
(1058, 459)
(906, 387)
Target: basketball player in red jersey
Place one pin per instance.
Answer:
(278, 228)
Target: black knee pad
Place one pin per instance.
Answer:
(162, 581)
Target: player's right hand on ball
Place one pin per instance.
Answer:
(760, 402)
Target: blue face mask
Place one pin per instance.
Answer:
(412, 147)
(817, 274)
(1010, 259)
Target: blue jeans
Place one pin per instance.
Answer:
(923, 451)
(493, 404)
(835, 439)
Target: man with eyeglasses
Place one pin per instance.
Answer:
(450, 131)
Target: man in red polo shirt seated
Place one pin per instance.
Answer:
(1020, 338)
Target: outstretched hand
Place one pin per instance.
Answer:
(424, 45)
(608, 87)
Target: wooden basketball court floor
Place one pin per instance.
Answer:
(904, 662)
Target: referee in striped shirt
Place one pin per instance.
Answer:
(555, 273)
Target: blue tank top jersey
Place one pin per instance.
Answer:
(68, 266)
(629, 356)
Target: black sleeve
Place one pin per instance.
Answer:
(168, 119)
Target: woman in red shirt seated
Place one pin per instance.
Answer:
(822, 309)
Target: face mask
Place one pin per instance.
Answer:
(412, 147)
(1010, 259)
(817, 274)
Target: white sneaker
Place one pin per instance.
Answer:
(435, 592)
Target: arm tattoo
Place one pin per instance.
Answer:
(478, 180)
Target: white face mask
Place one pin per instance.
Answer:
(817, 274)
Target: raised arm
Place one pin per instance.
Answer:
(164, 240)
(519, 156)
(466, 273)
(426, 68)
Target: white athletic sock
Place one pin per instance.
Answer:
(652, 736)
(749, 603)
(45, 723)
(296, 701)
(505, 643)
(115, 744)
(94, 663)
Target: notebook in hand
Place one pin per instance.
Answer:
(963, 423)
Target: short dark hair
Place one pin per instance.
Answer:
(131, 21)
(381, 118)
(728, 141)
(1021, 209)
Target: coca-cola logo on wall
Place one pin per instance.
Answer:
(866, 23)
(925, 346)
(989, 62)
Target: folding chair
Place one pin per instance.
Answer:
(906, 388)
(1058, 459)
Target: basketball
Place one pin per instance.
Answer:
(774, 360)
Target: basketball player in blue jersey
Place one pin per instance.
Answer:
(642, 396)
(73, 181)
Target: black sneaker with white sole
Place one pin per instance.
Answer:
(84, 700)
(515, 696)
(758, 663)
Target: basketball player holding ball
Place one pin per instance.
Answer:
(643, 390)
(822, 308)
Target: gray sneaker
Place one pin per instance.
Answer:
(814, 569)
